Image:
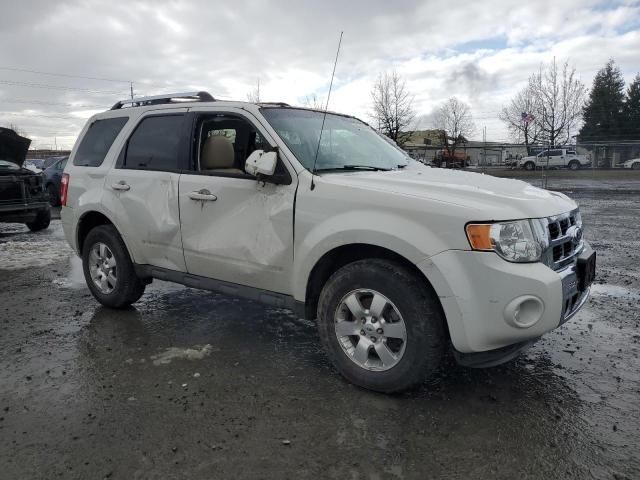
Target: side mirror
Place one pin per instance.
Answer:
(261, 163)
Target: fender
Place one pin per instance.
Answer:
(331, 234)
(135, 256)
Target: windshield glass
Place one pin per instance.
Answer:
(347, 143)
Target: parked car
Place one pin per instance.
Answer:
(53, 176)
(555, 158)
(633, 163)
(22, 195)
(396, 261)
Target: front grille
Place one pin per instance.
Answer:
(565, 239)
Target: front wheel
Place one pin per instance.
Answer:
(381, 325)
(108, 269)
(529, 166)
(575, 165)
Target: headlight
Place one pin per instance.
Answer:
(516, 241)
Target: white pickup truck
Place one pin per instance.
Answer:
(315, 212)
(555, 158)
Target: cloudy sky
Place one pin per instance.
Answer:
(481, 52)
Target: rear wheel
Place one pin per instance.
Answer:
(529, 166)
(381, 326)
(42, 220)
(108, 269)
(574, 165)
(636, 166)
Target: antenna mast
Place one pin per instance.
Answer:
(324, 117)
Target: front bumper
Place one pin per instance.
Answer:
(477, 291)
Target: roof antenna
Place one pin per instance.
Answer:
(313, 172)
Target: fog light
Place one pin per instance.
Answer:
(524, 311)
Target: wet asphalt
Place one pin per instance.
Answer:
(191, 384)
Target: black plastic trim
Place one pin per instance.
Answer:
(267, 297)
(492, 358)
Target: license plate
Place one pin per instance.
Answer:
(586, 271)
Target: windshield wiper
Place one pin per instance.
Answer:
(354, 167)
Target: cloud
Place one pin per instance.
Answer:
(481, 52)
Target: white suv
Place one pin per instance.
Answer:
(398, 262)
(556, 158)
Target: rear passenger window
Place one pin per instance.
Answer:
(155, 144)
(97, 141)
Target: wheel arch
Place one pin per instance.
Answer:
(336, 258)
(88, 221)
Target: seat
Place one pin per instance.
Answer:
(218, 156)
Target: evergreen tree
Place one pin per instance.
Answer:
(603, 113)
(632, 109)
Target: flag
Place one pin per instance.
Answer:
(527, 117)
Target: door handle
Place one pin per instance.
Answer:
(203, 195)
(121, 185)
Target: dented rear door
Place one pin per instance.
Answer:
(142, 189)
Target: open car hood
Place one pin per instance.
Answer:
(13, 147)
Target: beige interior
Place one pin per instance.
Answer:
(217, 155)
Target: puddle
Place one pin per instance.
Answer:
(175, 353)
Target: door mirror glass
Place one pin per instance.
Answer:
(261, 163)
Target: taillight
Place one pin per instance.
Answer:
(64, 188)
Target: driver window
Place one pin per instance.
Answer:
(223, 144)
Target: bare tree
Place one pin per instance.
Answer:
(559, 97)
(520, 117)
(254, 95)
(313, 101)
(454, 121)
(15, 128)
(392, 107)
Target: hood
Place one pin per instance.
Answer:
(484, 196)
(13, 147)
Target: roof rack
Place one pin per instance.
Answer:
(277, 104)
(165, 98)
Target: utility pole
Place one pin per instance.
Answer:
(131, 88)
(484, 149)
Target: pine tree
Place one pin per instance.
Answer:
(603, 113)
(632, 109)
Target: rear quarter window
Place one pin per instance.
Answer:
(97, 141)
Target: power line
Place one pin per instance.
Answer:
(40, 102)
(27, 114)
(59, 87)
(24, 70)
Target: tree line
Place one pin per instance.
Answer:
(552, 108)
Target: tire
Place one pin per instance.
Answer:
(635, 166)
(122, 287)
(42, 220)
(54, 195)
(416, 359)
(574, 165)
(529, 166)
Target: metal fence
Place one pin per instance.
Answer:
(603, 154)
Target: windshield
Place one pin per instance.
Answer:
(347, 143)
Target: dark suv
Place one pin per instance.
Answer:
(23, 198)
